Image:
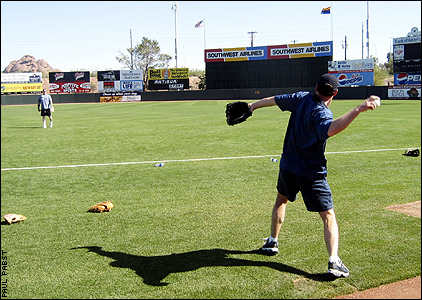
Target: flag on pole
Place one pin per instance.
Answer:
(199, 24)
(326, 11)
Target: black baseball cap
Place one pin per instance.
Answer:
(327, 85)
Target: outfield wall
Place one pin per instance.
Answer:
(360, 92)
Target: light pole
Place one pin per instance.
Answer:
(252, 33)
(367, 27)
(131, 51)
(345, 47)
(174, 7)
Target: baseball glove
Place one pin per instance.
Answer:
(410, 152)
(237, 112)
(14, 218)
(102, 206)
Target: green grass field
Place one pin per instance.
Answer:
(189, 229)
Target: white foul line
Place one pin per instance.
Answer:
(186, 160)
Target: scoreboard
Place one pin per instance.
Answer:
(407, 66)
(277, 66)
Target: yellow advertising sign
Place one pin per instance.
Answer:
(171, 73)
(21, 87)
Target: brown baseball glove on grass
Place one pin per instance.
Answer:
(101, 206)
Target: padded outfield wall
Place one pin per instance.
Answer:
(360, 92)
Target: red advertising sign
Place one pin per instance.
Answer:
(69, 82)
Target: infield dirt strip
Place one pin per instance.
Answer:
(406, 289)
(411, 209)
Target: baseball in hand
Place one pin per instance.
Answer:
(375, 100)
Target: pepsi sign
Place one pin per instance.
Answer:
(353, 72)
(405, 78)
(355, 78)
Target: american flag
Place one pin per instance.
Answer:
(199, 24)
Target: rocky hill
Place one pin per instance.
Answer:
(28, 64)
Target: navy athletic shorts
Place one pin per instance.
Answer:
(316, 193)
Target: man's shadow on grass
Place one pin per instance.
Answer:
(26, 127)
(154, 269)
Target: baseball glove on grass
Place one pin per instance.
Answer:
(14, 218)
(410, 152)
(102, 206)
(237, 112)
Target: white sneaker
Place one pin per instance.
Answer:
(270, 248)
(338, 269)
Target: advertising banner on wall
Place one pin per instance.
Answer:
(168, 79)
(236, 54)
(120, 96)
(69, 82)
(353, 72)
(287, 51)
(131, 80)
(407, 78)
(302, 50)
(120, 80)
(404, 92)
(21, 82)
(413, 38)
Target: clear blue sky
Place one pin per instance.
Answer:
(88, 35)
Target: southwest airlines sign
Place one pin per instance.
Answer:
(270, 52)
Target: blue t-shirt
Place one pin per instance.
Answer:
(45, 101)
(306, 135)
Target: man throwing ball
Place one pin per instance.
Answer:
(303, 166)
